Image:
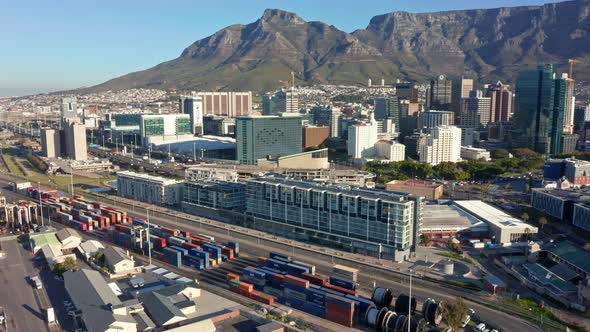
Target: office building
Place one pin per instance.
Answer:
(387, 108)
(192, 106)
(576, 171)
(335, 115)
(165, 128)
(501, 99)
(581, 116)
(315, 136)
(269, 104)
(471, 153)
(440, 94)
(148, 188)
(569, 143)
(75, 141)
(568, 205)
(50, 146)
(432, 119)
(406, 91)
(219, 125)
(431, 191)
(442, 144)
(316, 159)
(259, 137)
(229, 104)
(475, 110)
(69, 108)
(361, 139)
(286, 101)
(372, 222)
(214, 194)
(460, 90)
(539, 110)
(414, 144)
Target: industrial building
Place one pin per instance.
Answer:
(568, 205)
(165, 128)
(50, 147)
(70, 142)
(442, 222)
(431, 191)
(373, 222)
(148, 189)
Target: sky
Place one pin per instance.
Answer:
(63, 44)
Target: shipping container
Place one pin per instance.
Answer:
(279, 255)
(232, 276)
(315, 279)
(340, 282)
(289, 279)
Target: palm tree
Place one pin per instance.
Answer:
(542, 222)
(525, 216)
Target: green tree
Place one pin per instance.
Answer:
(454, 312)
(424, 239)
(100, 258)
(499, 154)
(525, 216)
(542, 222)
(68, 264)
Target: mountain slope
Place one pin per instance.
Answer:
(488, 43)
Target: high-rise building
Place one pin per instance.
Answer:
(335, 115)
(287, 101)
(50, 143)
(461, 89)
(570, 104)
(69, 107)
(387, 108)
(406, 91)
(230, 104)
(432, 119)
(269, 104)
(258, 137)
(414, 144)
(501, 98)
(75, 141)
(581, 115)
(362, 138)
(192, 106)
(440, 94)
(475, 110)
(443, 144)
(315, 136)
(539, 110)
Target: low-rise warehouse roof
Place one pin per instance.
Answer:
(570, 253)
(449, 218)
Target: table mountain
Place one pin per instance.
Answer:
(487, 44)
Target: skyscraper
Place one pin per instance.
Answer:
(475, 114)
(501, 98)
(69, 108)
(461, 89)
(287, 101)
(440, 94)
(443, 144)
(387, 108)
(570, 104)
(361, 138)
(431, 119)
(258, 137)
(75, 141)
(539, 110)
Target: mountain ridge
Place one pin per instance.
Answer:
(486, 44)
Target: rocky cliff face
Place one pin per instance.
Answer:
(487, 44)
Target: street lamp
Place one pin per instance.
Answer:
(410, 302)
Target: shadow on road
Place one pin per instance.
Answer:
(34, 312)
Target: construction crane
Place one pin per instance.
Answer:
(571, 63)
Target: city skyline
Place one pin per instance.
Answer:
(52, 49)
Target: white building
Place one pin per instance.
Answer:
(362, 138)
(69, 238)
(471, 153)
(200, 173)
(442, 144)
(118, 260)
(388, 151)
(148, 189)
(164, 128)
(335, 114)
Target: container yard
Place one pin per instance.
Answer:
(173, 246)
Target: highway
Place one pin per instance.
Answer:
(254, 246)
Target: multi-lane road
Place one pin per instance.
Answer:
(252, 246)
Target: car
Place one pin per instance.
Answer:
(465, 320)
(480, 327)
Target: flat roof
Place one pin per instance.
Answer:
(145, 176)
(492, 215)
(580, 196)
(415, 183)
(449, 216)
(570, 253)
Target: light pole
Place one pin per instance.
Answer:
(410, 302)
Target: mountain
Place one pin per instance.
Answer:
(487, 44)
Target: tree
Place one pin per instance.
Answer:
(542, 222)
(454, 312)
(499, 154)
(424, 239)
(68, 264)
(587, 246)
(525, 216)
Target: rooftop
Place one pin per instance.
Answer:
(415, 183)
(114, 255)
(148, 177)
(38, 240)
(571, 253)
(449, 217)
(547, 277)
(492, 215)
(581, 196)
(65, 233)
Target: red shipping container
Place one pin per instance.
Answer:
(341, 289)
(171, 231)
(262, 261)
(185, 233)
(229, 252)
(289, 279)
(315, 279)
(196, 240)
(279, 278)
(232, 276)
(189, 246)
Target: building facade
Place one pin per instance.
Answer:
(193, 106)
(432, 119)
(387, 151)
(200, 173)
(443, 144)
(501, 101)
(369, 221)
(75, 141)
(362, 138)
(229, 104)
(387, 108)
(50, 147)
(461, 89)
(258, 137)
(471, 153)
(315, 136)
(161, 128)
(214, 194)
(440, 94)
(148, 189)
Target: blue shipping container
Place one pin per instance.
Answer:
(314, 309)
(278, 255)
(348, 284)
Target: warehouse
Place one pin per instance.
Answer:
(444, 221)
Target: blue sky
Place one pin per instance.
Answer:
(54, 45)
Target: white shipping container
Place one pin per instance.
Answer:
(50, 315)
